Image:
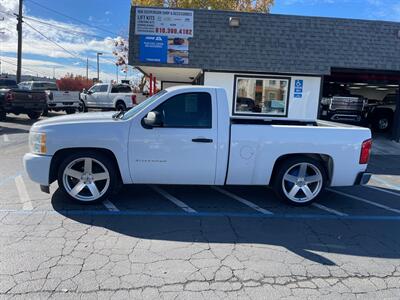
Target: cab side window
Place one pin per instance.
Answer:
(103, 88)
(188, 110)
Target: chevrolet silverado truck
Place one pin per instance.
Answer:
(108, 96)
(185, 135)
(56, 100)
(18, 101)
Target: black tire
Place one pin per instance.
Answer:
(382, 122)
(34, 115)
(98, 156)
(45, 112)
(82, 107)
(3, 115)
(289, 164)
(120, 106)
(70, 111)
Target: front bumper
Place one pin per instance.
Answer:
(362, 178)
(38, 167)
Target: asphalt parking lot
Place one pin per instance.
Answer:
(178, 242)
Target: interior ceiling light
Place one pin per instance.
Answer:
(360, 83)
(382, 89)
(372, 86)
(234, 22)
(392, 85)
(355, 88)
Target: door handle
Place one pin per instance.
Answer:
(202, 140)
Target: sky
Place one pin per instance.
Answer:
(85, 27)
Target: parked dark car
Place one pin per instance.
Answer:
(381, 113)
(17, 101)
(340, 105)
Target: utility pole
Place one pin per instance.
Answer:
(19, 54)
(1, 32)
(116, 71)
(98, 69)
(54, 72)
(87, 70)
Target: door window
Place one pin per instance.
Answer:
(95, 88)
(189, 110)
(103, 88)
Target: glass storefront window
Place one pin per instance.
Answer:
(261, 96)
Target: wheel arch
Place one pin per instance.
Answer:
(63, 153)
(325, 159)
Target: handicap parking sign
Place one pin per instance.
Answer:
(298, 83)
(298, 88)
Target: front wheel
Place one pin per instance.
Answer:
(87, 177)
(120, 106)
(34, 115)
(300, 180)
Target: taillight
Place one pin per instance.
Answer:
(133, 97)
(10, 96)
(365, 151)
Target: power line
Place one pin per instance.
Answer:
(75, 32)
(26, 69)
(72, 18)
(57, 44)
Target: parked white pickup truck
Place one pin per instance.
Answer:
(56, 100)
(184, 135)
(108, 96)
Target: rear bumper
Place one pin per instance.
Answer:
(362, 178)
(62, 105)
(37, 167)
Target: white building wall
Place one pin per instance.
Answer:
(303, 109)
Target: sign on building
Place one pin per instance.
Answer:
(164, 22)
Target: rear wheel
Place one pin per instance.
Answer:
(300, 180)
(120, 106)
(34, 115)
(87, 177)
(382, 122)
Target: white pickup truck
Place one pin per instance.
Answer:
(184, 135)
(108, 96)
(56, 100)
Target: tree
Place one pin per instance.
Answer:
(120, 52)
(74, 83)
(262, 6)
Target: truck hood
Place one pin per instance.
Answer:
(92, 117)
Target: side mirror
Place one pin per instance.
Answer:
(153, 119)
(84, 91)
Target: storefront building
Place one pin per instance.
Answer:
(273, 66)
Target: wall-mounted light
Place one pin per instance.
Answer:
(234, 21)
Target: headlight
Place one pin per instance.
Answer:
(37, 142)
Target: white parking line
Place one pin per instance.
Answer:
(242, 200)
(383, 190)
(366, 201)
(328, 209)
(6, 139)
(109, 205)
(174, 200)
(23, 194)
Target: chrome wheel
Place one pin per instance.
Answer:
(86, 179)
(302, 182)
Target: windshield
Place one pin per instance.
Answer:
(134, 110)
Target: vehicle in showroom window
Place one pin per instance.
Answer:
(339, 105)
(185, 135)
(108, 96)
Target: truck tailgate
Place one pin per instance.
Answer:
(65, 97)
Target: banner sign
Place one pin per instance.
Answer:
(164, 22)
(161, 49)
